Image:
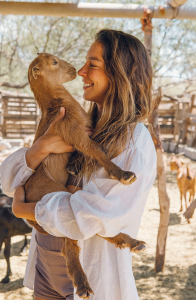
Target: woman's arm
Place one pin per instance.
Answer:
(14, 171)
(21, 209)
(27, 210)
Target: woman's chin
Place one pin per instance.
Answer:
(87, 97)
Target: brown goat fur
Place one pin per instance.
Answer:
(186, 180)
(46, 75)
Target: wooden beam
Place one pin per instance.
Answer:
(92, 10)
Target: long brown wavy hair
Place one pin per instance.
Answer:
(129, 98)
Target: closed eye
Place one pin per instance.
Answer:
(55, 62)
(92, 65)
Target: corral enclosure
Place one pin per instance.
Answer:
(19, 116)
(177, 119)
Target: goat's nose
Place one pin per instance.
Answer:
(72, 71)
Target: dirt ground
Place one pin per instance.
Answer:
(177, 282)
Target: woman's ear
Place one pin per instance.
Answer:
(36, 70)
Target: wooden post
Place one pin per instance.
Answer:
(164, 200)
(192, 102)
(147, 29)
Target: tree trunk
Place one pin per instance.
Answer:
(164, 200)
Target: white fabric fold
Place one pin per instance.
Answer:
(14, 171)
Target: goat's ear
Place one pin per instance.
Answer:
(36, 70)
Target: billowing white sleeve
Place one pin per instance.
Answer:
(104, 206)
(14, 171)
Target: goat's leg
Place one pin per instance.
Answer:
(185, 200)
(191, 197)
(7, 243)
(123, 241)
(92, 149)
(71, 252)
(181, 208)
(25, 244)
(1, 242)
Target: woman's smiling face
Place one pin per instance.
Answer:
(96, 82)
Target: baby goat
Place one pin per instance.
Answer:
(46, 75)
(185, 179)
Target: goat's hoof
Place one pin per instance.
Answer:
(84, 292)
(124, 177)
(134, 245)
(6, 279)
(128, 177)
(138, 247)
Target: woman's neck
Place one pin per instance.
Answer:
(99, 110)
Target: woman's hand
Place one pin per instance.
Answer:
(20, 208)
(50, 142)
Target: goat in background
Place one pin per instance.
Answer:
(186, 179)
(10, 226)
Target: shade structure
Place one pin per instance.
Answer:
(110, 10)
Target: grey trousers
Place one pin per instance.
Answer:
(51, 279)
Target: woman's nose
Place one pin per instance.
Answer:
(82, 71)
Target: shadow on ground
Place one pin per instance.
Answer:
(174, 219)
(169, 284)
(189, 292)
(11, 286)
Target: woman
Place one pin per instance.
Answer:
(117, 80)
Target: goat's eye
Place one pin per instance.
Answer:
(55, 62)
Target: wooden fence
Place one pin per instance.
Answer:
(177, 120)
(177, 117)
(19, 116)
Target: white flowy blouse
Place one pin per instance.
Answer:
(104, 206)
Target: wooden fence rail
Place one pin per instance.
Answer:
(177, 120)
(19, 116)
